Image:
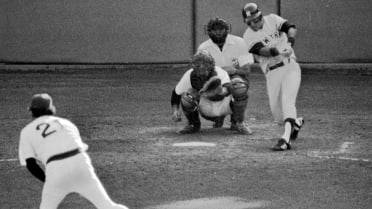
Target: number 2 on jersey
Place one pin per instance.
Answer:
(45, 127)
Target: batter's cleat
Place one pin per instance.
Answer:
(189, 129)
(241, 128)
(299, 123)
(282, 145)
(218, 123)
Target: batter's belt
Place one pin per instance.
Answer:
(64, 155)
(280, 64)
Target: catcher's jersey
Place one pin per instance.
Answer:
(234, 48)
(270, 35)
(185, 83)
(46, 136)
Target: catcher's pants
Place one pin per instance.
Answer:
(214, 109)
(283, 84)
(74, 174)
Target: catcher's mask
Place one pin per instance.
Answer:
(251, 14)
(217, 30)
(203, 63)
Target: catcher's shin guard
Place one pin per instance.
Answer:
(240, 99)
(188, 102)
(238, 110)
(190, 108)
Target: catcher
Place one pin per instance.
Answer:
(231, 54)
(207, 90)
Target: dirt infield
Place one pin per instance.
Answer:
(124, 117)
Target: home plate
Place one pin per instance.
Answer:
(194, 144)
(213, 203)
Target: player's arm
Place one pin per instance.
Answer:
(35, 169)
(290, 30)
(265, 51)
(175, 100)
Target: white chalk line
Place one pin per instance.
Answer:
(8, 160)
(345, 148)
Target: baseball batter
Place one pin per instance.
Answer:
(195, 94)
(231, 54)
(53, 152)
(271, 38)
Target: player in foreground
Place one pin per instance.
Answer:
(231, 54)
(271, 39)
(52, 150)
(208, 90)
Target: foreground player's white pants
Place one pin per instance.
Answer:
(283, 84)
(74, 174)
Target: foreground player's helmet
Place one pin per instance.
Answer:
(213, 26)
(251, 12)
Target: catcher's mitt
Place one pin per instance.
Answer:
(212, 89)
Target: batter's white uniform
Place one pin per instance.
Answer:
(48, 135)
(233, 49)
(210, 108)
(283, 74)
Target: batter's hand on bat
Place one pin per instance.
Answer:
(287, 52)
(176, 116)
(235, 63)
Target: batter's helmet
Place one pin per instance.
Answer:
(250, 12)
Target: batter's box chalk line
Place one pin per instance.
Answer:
(213, 203)
(9, 160)
(345, 148)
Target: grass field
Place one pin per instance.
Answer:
(124, 117)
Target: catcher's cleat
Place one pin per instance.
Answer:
(297, 128)
(189, 129)
(241, 128)
(218, 123)
(282, 145)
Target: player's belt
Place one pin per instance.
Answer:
(64, 155)
(280, 64)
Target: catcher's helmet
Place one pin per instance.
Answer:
(203, 64)
(202, 57)
(215, 24)
(250, 12)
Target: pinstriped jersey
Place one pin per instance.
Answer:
(270, 35)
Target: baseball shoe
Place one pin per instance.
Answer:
(241, 128)
(218, 123)
(297, 128)
(189, 129)
(282, 145)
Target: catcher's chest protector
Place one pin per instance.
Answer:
(197, 81)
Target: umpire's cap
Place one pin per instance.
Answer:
(250, 11)
(42, 102)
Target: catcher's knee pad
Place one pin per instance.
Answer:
(188, 102)
(239, 88)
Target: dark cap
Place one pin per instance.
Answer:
(42, 101)
(250, 11)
